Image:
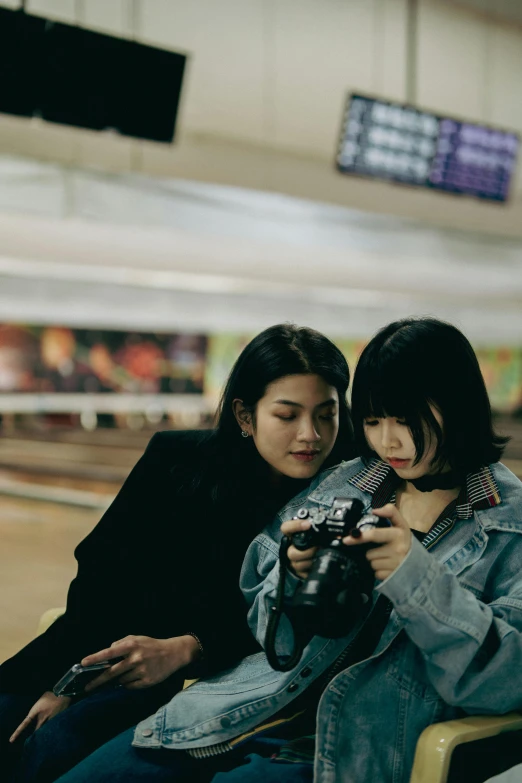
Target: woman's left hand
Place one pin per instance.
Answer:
(146, 661)
(394, 542)
(47, 706)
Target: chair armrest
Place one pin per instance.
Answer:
(437, 742)
(48, 618)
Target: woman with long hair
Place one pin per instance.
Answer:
(157, 583)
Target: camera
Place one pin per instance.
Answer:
(337, 593)
(338, 589)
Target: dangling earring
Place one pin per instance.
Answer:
(244, 434)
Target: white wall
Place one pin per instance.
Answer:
(267, 81)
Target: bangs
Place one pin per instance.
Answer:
(381, 403)
(394, 389)
(388, 388)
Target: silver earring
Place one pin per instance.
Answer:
(244, 434)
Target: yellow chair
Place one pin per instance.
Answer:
(48, 618)
(436, 743)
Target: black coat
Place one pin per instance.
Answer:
(161, 562)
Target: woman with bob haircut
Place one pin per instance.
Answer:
(441, 638)
(158, 577)
(428, 368)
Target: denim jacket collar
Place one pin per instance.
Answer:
(480, 491)
(481, 497)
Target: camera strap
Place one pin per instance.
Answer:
(276, 610)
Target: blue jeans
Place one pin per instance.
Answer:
(70, 736)
(119, 762)
(13, 709)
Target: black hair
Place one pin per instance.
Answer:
(416, 363)
(277, 352)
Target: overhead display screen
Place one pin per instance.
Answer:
(385, 140)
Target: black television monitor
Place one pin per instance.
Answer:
(99, 81)
(391, 141)
(150, 91)
(74, 76)
(21, 41)
(81, 73)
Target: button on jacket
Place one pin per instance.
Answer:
(453, 645)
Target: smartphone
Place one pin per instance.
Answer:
(74, 681)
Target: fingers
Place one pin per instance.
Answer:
(139, 684)
(385, 567)
(385, 559)
(22, 727)
(134, 679)
(114, 651)
(379, 535)
(391, 512)
(301, 562)
(97, 682)
(110, 674)
(294, 526)
(99, 657)
(380, 553)
(388, 552)
(391, 545)
(303, 565)
(303, 569)
(384, 563)
(298, 556)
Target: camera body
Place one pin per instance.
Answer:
(338, 590)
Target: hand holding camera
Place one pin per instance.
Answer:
(390, 544)
(394, 541)
(338, 588)
(336, 592)
(299, 561)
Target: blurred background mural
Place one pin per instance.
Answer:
(58, 359)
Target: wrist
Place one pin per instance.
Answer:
(194, 648)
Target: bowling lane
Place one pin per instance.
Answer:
(36, 563)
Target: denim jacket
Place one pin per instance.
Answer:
(452, 645)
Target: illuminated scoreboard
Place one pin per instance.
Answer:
(385, 140)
